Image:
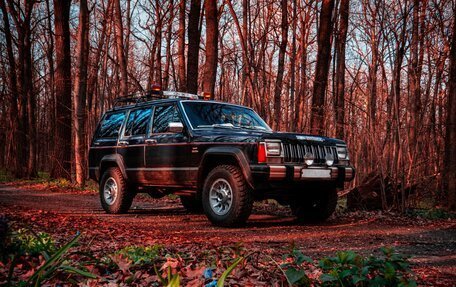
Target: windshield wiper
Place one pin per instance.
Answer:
(227, 125)
(254, 128)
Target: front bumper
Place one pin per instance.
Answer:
(302, 173)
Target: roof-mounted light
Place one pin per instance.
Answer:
(206, 96)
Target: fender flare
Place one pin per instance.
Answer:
(113, 158)
(234, 152)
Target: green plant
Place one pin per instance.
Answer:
(140, 254)
(25, 242)
(171, 280)
(350, 269)
(57, 263)
(293, 269)
(433, 213)
(221, 281)
(5, 176)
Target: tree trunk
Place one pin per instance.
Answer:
(450, 137)
(181, 48)
(281, 64)
(121, 57)
(16, 156)
(322, 67)
(414, 79)
(169, 31)
(340, 67)
(80, 94)
(210, 71)
(194, 34)
(158, 37)
(293, 101)
(62, 147)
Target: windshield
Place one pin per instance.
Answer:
(217, 115)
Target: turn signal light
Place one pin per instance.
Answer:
(261, 153)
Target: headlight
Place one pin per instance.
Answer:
(329, 159)
(309, 158)
(342, 153)
(273, 148)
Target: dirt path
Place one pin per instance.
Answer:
(432, 244)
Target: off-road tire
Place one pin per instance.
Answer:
(242, 200)
(192, 204)
(124, 198)
(315, 206)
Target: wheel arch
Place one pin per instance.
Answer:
(224, 155)
(112, 160)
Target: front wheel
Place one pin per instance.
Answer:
(114, 194)
(316, 206)
(227, 200)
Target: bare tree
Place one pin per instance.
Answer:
(181, 48)
(450, 138)
(210, 70)
(121, 57)
(341, 38)
(194, 34)
(281, 64)
(322, 68)
(62, 147)
(80, 94)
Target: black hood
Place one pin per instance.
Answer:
(246, 135)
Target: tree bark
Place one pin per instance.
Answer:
(414, 78)
(322, 67)
(62, 147)
(181, 48)
(281, 64)
(169, 31)
(194, 34)
(121, 57)
(210, 70)
(80, 94)
(450, 137)
(16, 156)
(340, 67)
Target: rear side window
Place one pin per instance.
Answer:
(111, 124)
(164, 115)
(137, 123)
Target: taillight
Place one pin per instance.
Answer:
(261, 153)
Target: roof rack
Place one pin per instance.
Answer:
(137, 98)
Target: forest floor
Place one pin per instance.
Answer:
(271, 230)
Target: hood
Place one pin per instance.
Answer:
(245, 135)
(303, 138)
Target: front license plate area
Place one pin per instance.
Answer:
(315, 173)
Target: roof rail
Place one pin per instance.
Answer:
(141, 97)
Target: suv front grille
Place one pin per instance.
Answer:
(294, 153)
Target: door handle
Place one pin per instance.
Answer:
(123, 143)
(151, 141)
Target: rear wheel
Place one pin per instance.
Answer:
(315, 207)
(226, 198)
(192, 204)
(114, 194)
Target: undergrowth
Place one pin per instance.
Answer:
(45, 262)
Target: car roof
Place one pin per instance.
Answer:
(165, 101)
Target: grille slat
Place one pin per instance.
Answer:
(294, 153)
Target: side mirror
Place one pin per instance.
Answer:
(175, 127)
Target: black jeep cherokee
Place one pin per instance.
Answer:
(218, 157)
